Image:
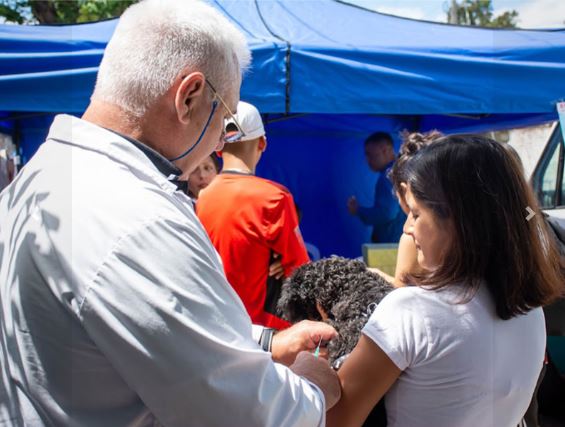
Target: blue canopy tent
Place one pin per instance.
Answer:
(325, 74)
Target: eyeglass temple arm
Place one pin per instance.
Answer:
(226, 107)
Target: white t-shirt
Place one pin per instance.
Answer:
(462, 365)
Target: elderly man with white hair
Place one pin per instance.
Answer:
(114, 306)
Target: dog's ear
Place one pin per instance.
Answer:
(284, 302)
(294, 303)
(344, 309)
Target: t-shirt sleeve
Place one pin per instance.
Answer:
(399, 328)
(283, 233)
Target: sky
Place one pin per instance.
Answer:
(531, 13)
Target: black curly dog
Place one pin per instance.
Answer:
(341, 292)
(343, 289)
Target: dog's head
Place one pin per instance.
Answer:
(337, 290)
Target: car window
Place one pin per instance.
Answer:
(549, 180)
(561, 201)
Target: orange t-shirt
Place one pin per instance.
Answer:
(248, 219)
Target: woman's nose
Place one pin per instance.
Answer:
(407, 228)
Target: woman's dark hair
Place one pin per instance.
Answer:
(411, 144)
(216, 161)
(475, 183)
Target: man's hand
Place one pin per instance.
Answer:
(276, 269)
(352, 205)
(319, 372)
(303, 336)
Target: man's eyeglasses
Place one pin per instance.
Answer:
(231, 136)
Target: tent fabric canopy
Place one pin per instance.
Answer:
(325, 74)
(318, 56)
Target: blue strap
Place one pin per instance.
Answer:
(214, 105)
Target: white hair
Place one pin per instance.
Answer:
(155, 40)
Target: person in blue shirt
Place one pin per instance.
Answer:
(386, 216)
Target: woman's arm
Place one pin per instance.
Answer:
(406, 262)
(384, 275)
(365, 377)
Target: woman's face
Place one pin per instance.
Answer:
(202, 176)
(432, 235)
(400, 195)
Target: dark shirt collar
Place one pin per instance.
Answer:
(171, 172)
(236, 172)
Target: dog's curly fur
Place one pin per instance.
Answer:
(344, 289)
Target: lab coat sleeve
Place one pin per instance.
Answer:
(163, 313)
(256, 332)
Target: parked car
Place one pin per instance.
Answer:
(548, 177)
(549, 186)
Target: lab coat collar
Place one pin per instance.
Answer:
(81, 133)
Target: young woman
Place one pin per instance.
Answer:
(406, 260)
(202, 176)
(465, 346)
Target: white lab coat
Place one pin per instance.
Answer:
(115, 307)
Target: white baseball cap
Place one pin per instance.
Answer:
(249, 119)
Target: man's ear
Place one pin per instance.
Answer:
(262, 144)
(189, 91)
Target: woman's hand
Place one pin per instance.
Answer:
(276, 269)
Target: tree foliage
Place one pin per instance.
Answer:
(480, 13)
(61, 11)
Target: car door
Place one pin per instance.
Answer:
(547, 179)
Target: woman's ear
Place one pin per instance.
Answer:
(189, 91)
(401, 199)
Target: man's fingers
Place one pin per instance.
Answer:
(320, 373)
(320, 330)
(276, 269)
(323, 353)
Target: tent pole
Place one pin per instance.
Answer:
(287, 79)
